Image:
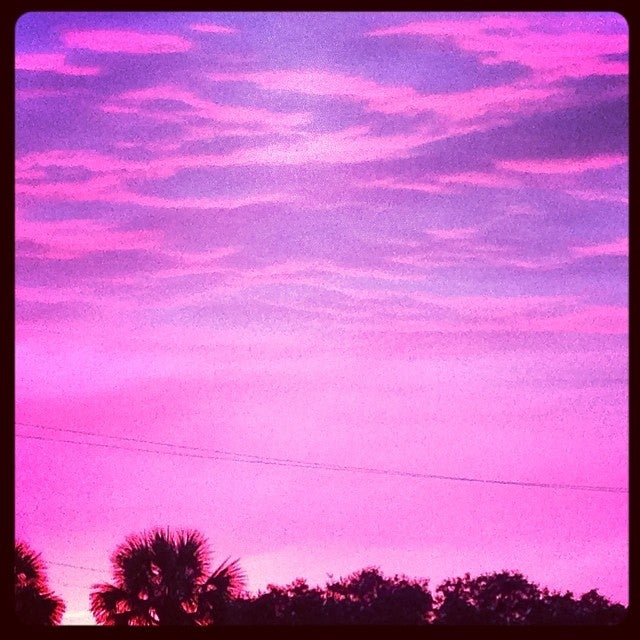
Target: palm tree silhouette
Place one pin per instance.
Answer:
(162, 578)
(34, 603)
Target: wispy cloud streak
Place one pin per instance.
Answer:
(52, 63)
(120, 41)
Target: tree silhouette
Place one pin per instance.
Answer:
(503, 598)
(508, 598)
(294, 604)
(34, 603)
(162, 578)
(591, 609)
(365, 597)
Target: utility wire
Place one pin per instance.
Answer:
(171, 444)
(166, 452)
(289, 462)
(75, 566)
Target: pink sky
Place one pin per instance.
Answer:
(383, 240)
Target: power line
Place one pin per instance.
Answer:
(170, 453)
(171, 444)
(75, 566)
(303, 464)
(289, 462)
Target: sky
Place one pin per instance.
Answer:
(386, 240)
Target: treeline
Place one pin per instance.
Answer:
(164, 578)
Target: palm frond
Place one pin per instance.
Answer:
(34, 602)
(193, 552)
(34, 606)
(132, 564)
(228, 578)
(112, 605)
(28, 564)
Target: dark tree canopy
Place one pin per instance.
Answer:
(365, 597)
(35, 604)
(163, 578)
(508, 598)
(591, 609)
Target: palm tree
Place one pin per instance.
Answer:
(34, 603)
(162, 578)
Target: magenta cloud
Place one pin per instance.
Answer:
(594, 195)
(497, 39)
(72, 238)
(447, 183)
(52, 63)
(618, 247)
(391, 99)
(210, 27)
(194, 106)
(117, 41)
(563, 165)
(109, 188)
